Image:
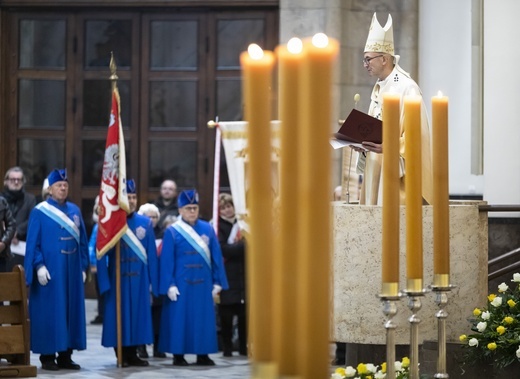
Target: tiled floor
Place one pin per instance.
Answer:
(100, 362)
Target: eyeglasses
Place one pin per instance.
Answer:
(366, 61)
(14, 180)
(191, 209)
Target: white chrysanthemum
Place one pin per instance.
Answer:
(481, 326)
(350, 371)
(398, 365)
(473, 342)
(503, 287)
(485, 315)
(371, 368)
(516, 277)
(518, 352)
(497, 302)
(380, 375)
(336, 376)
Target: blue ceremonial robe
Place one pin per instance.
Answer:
(56, 310)
(136, 277)
(188, 325)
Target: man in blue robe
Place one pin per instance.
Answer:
(56, 261)
(138, 273)
(191, 273)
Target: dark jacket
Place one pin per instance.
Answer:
(21, 204)
(165, 211)
(235, 263)
(7, 227)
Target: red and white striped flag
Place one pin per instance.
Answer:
(113, 199)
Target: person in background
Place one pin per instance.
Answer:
(45, 191)
(56, 262)
(381, 62)
(93, 262)
(233, 300)
(7, 232)
(138, 274)
(191, 274)
(21, 204)
(152, 212)
(167, 201)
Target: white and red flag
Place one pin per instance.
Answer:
(113, 199)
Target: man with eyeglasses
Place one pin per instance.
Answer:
(21, 204)
(191, 274)
(381, 62)
(167, 202)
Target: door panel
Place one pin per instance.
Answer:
(176, 71)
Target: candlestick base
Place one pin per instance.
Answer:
(390, 310)
(264, 370)
(441, 299)
(414, 303)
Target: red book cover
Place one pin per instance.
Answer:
(359, 127)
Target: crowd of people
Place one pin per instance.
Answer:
(172, 272)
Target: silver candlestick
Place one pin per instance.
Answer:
(414, 303)
(390, 310)
(441, 289)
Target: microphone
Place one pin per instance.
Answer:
(356, 99)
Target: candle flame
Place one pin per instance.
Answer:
(320, 40)
(295, 45)
(255, 51)
(439, 94)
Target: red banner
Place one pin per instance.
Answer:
(113, 199)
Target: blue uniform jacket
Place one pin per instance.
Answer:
(136, 280)
(188, 325)
(56, 310)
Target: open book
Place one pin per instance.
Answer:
(358, 127)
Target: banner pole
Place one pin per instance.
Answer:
(118, 306)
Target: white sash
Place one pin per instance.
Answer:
(60, 218)
(193, 239)
(135, 245)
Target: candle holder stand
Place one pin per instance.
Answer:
(414, 303)
(441, 299)
(390, 310)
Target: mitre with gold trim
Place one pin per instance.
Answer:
(380, 40)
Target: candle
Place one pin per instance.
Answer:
(390, 255)
(257, 67)
(441, 228)
(314, 203)
(287, 339)
(414, 245)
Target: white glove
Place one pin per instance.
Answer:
(43, 275)
(216, 290)
(84, 276)
(173, 292)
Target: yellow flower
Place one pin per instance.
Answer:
(463, 337)
(491, 297)
(477, 312)
(340, 370)
(500, 330)
(508, 320)
(492, 346)
(405, 362)
(362, 369)
(383, 367)
(511, 303)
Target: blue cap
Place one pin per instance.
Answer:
(57, 176)
(130, 186)
(188, 197)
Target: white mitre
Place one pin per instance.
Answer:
(380, 40)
